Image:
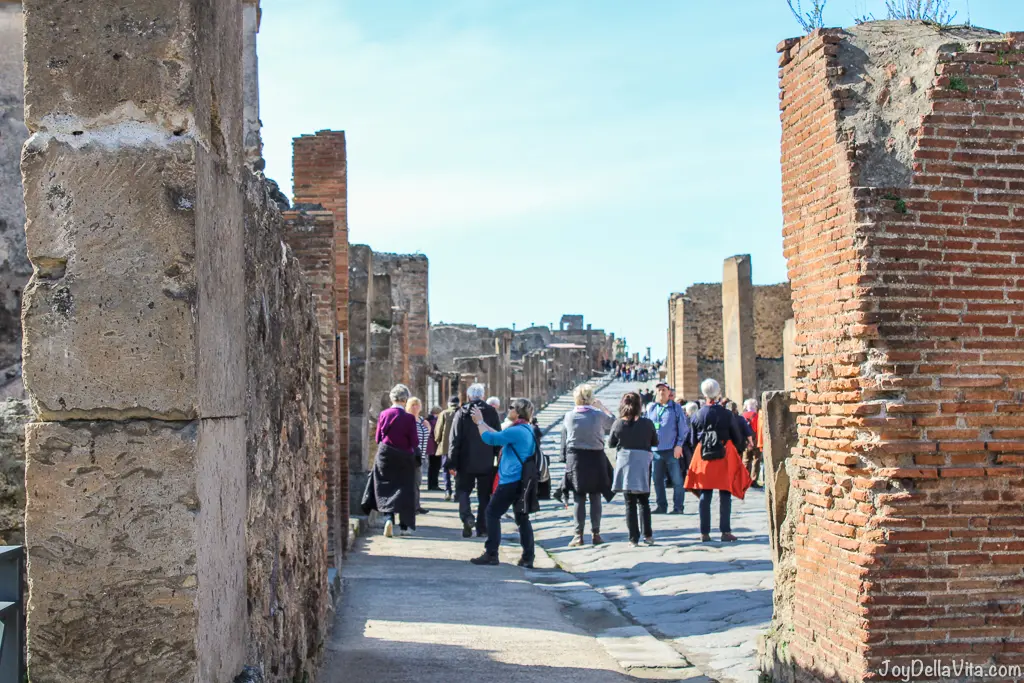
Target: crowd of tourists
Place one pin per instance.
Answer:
(697, 447)
(633, 372)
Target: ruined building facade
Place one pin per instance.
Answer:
(731, 331)
(902, 183)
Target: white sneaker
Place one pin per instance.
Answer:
(389, 529)
(409, 532)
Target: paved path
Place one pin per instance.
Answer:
(415, 609)
(709, 600)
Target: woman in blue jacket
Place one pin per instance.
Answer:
(518, 445)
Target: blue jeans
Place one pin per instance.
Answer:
(664, 463)
(501, 501)
(724, 511)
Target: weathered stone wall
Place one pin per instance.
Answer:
(173, 519)
(14, 264)
(408, 276)
(901, 195)
(448, 342)
(360, 297)
(286, 533)
(14, 415)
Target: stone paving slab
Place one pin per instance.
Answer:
(708, 600)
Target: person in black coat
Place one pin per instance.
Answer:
(472, 462)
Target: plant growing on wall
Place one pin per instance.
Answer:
(934, 11)
(808, 20)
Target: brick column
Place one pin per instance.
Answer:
(135, 341)
(738, 329)
(310, 234)
(904, 254)
(684, 375)
(320, 172)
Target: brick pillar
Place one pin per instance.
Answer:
(738, 329)
(320, 173)
(683, 374)
(789, 354)
(135, 341)
(360, 321)
(906, 269)
(15, 268)
(310, 234)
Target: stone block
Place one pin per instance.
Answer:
(14, 415)
(738, 329)
(113, 550)
(110, 323)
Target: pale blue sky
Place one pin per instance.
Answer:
(550, 156)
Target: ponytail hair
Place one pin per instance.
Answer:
(630, 406)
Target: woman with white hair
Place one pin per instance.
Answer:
(716, 464)
(752, 456)
(393, 482)
(588, 474)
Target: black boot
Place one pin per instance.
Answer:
(486, 558)
(523, 562)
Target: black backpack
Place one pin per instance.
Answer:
(530, 476)
(710, 447)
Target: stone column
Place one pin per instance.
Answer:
(789, 354)
(360, 296)
(683, 375)
(135, 329)
(738, 329)
(251, 15)
(15, 268)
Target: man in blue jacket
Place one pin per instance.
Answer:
(673, 432)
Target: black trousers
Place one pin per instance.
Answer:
(638, 513)
(464, 484)
(433, 472)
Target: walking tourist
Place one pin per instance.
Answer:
(716, 466)
(415, 408)
(433, 459)
(391, 488)
(633, 435)
(752, 456)
(588, 474)
(443, 436)
(670, 457)
(472, 462)
(517, 480)
(495, 403)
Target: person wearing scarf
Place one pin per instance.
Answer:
(518, 445)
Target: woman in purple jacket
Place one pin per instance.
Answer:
(391, 488)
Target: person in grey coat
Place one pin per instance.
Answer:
(634, 436)
(588, 474)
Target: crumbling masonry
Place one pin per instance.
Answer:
(903, 178)
(173, 473)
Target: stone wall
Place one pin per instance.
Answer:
(408, 277)
(14, 415)
(448, 342)
(171, 353)
(14, 264)
(360, 298)
(901, 198)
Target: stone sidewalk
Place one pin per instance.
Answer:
(415, 609)
(709, 600)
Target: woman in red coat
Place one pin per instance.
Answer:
(716, 465)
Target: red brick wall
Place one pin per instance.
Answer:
(908, 306)
(319, 177)
(310, 234)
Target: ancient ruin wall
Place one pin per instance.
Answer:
(448, 342)
(409, 274)
(909, 369)
(14, 264)
(170, 353)
(14, 415)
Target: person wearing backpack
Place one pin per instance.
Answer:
(517, 480)
(716, 466)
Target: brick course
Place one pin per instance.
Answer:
(909, 368)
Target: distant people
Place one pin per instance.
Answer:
(716, 466)
(517, 485)
(588, 474)
(443, 436)
(544, 478)
(633, 436)
(752, 456)
(391, 489)
(415, 407)
(742, 425)
(433, 457)
(670, 457)
(691, 409)
(473, 462)
(495, 403)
